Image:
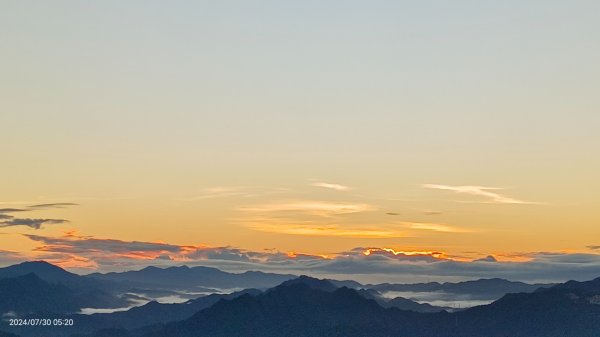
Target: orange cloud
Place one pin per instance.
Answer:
(83, 252)
(324, 230)
(436, 227)
(319, 208)
(402, 253)
(331, 186)
(71, 261)
(295, 255)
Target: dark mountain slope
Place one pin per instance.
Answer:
(135, 318)
(6, 334)
(398, 302)
(29, 293)
(297, 309)
(92, 292)
(569, 309)
(406, 304)
(346, 283)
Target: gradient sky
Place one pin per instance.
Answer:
(465, 128)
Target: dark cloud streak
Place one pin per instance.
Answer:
(33, 223)
(53, 205)
(10, 221)
(79, 245)
(12, 210)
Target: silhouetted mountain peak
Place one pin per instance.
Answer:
(592, 286)
(346, 283)
(311, 282)
(42, 269)
(37, 266)
(38, 263)
(369, 293)
(253, 272)
(182, 267)
(496, 281)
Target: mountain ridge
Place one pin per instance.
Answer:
(185, 277)
(299, 310)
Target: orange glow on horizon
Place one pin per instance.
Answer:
(293, 255)
(437, 255)
(73, 261)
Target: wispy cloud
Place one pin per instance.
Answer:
(216, 192)
(322, 208)
(435, 227)
(313, 218)
(315, 229)
(233, 191)
(481, 191)
(10, 257)
(331, 186)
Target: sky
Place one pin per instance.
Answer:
(429, 140)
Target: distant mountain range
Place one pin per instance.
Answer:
(296, 306)
(477, 289)
(192, 278)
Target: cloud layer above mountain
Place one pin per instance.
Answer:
(367, 264)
